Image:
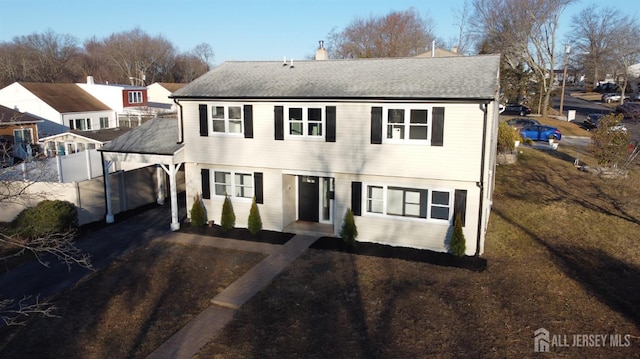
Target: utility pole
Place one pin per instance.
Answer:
(567, 50)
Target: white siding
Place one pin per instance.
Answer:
(456, 165)
(458, 159)
(18, 98)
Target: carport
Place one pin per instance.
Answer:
(154, 142)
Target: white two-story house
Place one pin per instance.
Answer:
(406, 143)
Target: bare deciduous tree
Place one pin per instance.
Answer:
(525, 30)
(398, 34)
(625, 49)
(592, 31)
(51, 57)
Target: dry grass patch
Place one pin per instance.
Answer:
(131, 307)
(561, 256)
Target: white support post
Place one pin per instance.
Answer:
(88, 158)
(59, 166)
(160, 180)
(107, 190)
(172, 170)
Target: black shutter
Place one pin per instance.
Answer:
(376, 125)
(257, 181)
(204, 120)
(248, 121)
(356, 198)
(206, 183)
(437, 126)
(331, 124)
(279, 122)
(460, 204)
(423, 203)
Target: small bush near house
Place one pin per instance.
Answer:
(506, 138)
(46, 217)
(255, 222)
(457, 246)
(228, 220)
(349, 231)
(198, 217)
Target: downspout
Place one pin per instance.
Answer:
(180, 122)
(480, 183)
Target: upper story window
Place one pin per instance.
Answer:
(104, 122)
(227, 119)
(406, 124)
(81, 124)
(135, 96)
(305, 122)
(409, 202)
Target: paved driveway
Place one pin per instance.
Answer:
(104, 245)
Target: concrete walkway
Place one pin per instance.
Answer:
(201, 330)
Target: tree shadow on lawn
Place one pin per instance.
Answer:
(129, 309)
(609, 279)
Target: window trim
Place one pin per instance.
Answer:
(233, 185)
(305, 122)
(226, 119)
(407, 123)
(385, 188)
(135, 97)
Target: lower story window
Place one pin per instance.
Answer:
(233, 184)
(409, 202)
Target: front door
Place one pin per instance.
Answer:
(308, 198)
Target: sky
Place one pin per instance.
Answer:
(235, 29)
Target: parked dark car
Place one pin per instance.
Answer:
(540, 133)
(522, 122)
(630, 110)
(607, 87)
(592, 120)
(515, 109)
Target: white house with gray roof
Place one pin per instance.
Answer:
(406, 143)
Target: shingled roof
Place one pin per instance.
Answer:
(156, 136)
(463, 77)
(12, 117)
(65, 97)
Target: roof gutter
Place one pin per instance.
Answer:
(480, 183)
(180, 122)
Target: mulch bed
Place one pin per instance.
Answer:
(243, 234)
(476, 264)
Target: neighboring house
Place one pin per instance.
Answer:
(77, 141)
(129, 102)
(63, 105)
(159, 92)
(405, 143)
(18, 136)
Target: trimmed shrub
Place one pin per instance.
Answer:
(46, 217)
(457, 246)
(255, 222)
(228, 220)
(198, 217)
(507, 137)
(349, 231)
